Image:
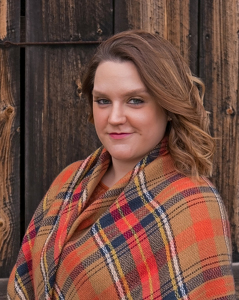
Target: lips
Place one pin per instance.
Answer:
(118, 136)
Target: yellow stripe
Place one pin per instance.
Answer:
(162, 231)
(21, 285)
(44, 203)
(29, 239)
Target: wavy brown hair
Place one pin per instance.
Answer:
(171, 83)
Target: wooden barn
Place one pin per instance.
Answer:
(44, 46)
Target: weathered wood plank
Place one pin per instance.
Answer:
(178, 25)
(171, 19)
(9, 137)
(56, 128)
(3, 288)
(140, 14)
(3, 18)
(235, 268)
(219, 70)
(174, 20)
(182, 29)
(193, 36)
(178, 22)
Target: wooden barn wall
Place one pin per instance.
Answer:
(9, 139)
(40, 90)
(206, 34)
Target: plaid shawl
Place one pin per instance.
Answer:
(156, 234)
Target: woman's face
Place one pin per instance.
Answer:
(128, 121)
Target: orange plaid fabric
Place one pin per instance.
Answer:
(156, 234)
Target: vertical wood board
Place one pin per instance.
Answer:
(174, 20)
(219, 70)
(179, 22)
(140, 14)
(56, 128)
(178, 25)
(3, 18)
(193, 36)
(235, 268)
(9, 138)
(3, 288)
(182, 29)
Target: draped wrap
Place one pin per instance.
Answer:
(155, 234)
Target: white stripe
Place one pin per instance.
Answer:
(65, 201)
(59, 292)
(109, 260)
(19, 291)
(84, 196)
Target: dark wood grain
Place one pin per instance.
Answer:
(121, 22)
(235, 268)
(3, 288)
(140, 14)
(9, 137)
(178, 25)
(219, 70)
(193, 36)
(174, 20)
(57, 131)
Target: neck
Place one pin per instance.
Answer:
(116, 171)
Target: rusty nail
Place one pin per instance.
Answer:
(99, 31)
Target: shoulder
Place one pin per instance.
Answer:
(67, 172)
(194, 206)
(194, 201)
(188, 187)
(65, 177)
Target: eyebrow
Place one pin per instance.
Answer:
(128, 93)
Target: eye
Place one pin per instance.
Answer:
(102, 101)
(136, 101)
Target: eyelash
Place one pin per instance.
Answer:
(134, 101)
(137, 101)
(102, 101)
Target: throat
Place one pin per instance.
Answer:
(115, 172)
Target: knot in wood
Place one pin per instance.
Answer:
(9, 110)
(1, 222)
(5, 114)
(99, 31)
(78, 88)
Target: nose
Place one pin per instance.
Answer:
(117, 114)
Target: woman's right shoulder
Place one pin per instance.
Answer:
(58, 187)
(65, 176)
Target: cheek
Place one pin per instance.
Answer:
(96, 113)
(156, 118)
(100, 120)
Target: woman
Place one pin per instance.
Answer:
(138, 219)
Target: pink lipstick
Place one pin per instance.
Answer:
(118, 136)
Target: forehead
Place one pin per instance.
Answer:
(111, 74)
